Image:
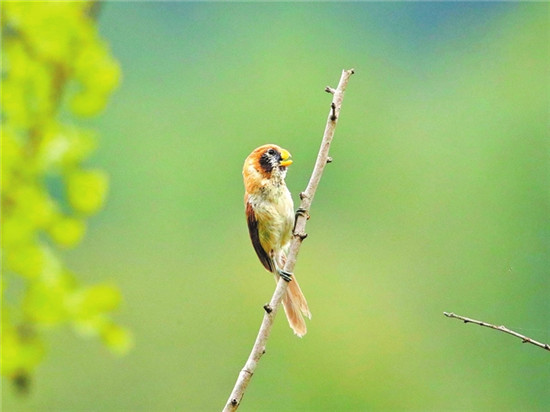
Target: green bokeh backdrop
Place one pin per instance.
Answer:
(437, 200)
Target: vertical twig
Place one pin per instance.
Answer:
(501, 328)
(299, 235)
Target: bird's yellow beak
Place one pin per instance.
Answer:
(285, 158)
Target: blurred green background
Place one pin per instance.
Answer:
(437, 200)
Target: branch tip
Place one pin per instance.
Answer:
(330, 90)
(329, 159)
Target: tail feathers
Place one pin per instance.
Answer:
(298, 297)
(295, 306)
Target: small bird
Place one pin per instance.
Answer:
(270, 217)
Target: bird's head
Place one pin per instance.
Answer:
(267, 162)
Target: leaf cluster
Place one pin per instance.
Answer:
(55, 68)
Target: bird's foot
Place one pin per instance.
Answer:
(302, 212)
(287, 276)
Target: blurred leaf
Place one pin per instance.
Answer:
(21, 350)
(67, 231)
(45, 301)
(65, 146)
(118, 339)
(96, 299)
(27, 260)
(99, 74)
(87, 190)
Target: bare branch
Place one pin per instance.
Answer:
(501, 328)
(299, 235)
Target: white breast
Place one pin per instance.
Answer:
(275, 214)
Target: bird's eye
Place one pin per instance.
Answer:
(271, 152)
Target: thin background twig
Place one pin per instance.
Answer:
(501, 328)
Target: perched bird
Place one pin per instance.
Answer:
(270, 217)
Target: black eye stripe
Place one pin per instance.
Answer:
(267, 159)
(265, 162)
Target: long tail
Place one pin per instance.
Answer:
(295, 306)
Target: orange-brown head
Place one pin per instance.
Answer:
(265, 163)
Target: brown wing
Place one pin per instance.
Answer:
(255, 237)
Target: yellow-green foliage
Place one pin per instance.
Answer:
(55, 67)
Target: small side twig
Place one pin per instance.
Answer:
(501, 328)
(300, 234)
